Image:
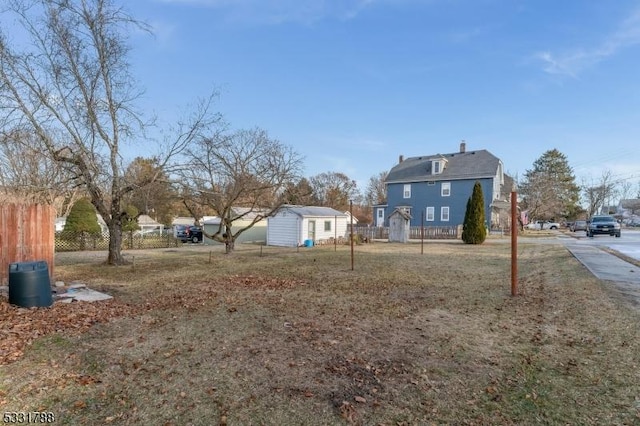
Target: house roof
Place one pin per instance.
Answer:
(244, 213)
(146, 220)
(632, 203)
(181, 220)
(312, 211)
(459, 165)
(248, 213)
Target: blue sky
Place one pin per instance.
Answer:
(353, 84)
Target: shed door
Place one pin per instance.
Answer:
(312, 230)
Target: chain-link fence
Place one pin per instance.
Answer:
(81, 241)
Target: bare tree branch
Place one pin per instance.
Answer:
(235, 176)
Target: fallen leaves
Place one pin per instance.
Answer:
(263, 282)
(19, 327)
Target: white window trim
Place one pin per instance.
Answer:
(380, 213)
(442, 214)
(447, 186)
(432, 211)
(406, 192)
(438, 164)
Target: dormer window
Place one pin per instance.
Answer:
(437, 166)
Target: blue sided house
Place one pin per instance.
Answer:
(435, 188)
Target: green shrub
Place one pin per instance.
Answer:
(473, 230)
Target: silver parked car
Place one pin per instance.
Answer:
(578, 225)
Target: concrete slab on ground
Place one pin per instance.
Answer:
(604, 265)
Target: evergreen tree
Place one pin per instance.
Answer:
(81, 223)
(473, 230)
(549, 191)
(82, 219)
(130, 222)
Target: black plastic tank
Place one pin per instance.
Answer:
(29, 284)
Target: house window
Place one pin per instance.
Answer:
(407, 191)
(444, 214)
(327, 225)
(445, 190)
(437, 167)
(380, 213)
(431, 212)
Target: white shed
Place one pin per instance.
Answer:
(292, 226)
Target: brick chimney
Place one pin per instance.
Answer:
(463, 147)
(401, 159)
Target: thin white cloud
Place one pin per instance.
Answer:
(163, 32)
(280, 11)
(572, 63)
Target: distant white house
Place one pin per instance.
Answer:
(292, 226)
(62, 221)
(147, 223)
(244, 216)
(355, 219)
(629, 211)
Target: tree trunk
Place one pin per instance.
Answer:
(229, 238)
(115, 243)
(229, 245)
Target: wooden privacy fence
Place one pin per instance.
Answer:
(26, 234)
(415, 232)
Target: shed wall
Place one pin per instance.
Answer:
(256, 234)
(284, 230)
(338, 227)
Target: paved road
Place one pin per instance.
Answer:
(628, 244)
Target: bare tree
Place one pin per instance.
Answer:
(376, 192)
(599, 193)
(236, 176)
(299, 193)
(28, 173)
(70, 86)
(155, 198)
(335, 189)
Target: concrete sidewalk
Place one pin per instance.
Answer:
(604, 265)
(624, 276)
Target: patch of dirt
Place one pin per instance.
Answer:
(362, 382)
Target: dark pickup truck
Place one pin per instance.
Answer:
(603, 225)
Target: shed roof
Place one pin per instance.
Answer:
(460, 165)
(401, 212)
(312, 211)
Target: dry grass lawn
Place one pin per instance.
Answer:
(286, 337)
